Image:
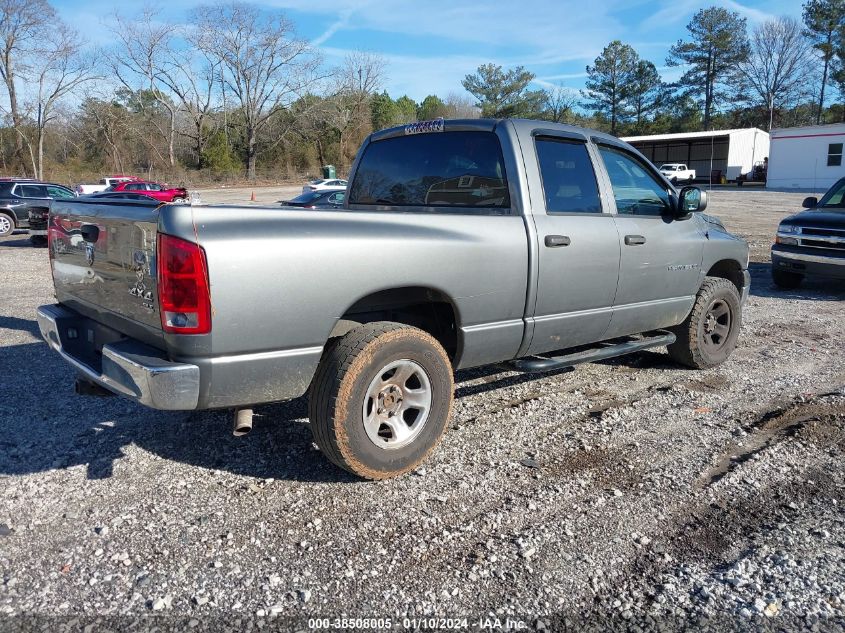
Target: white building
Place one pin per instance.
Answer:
(730, 152)
(806, 157)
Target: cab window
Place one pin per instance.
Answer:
(32, 191)
(59, 192)
(453, 171)
(569, 182)
(636, 190)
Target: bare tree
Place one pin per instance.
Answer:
(22, 24)
(59, 67)
(559, 104)
(262, 62)
(776, 69)
(461, 107)
(145, 46)
(348, 106)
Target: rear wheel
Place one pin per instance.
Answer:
(380, 399)
(786, 280)
(708, 335)
(7, 225)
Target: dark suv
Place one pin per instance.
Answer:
(26, 203)
(812, 242)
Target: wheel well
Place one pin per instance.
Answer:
(11, 216)
(728, 269)
(424, 308)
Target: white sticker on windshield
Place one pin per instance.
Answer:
(421, 127)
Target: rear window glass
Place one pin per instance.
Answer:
(307, 197)
(449, 169)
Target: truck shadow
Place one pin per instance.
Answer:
(811, 289)
(46, 427)
(17, 240)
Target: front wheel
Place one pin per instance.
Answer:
(381, 399)
(708, 335)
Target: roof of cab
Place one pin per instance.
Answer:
(522, 126)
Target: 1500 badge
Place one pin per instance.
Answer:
(683, 267)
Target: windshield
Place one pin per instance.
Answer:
(833, 199)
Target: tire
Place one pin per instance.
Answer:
(178, 200)
(38, 240)
(690, 180)
(786, 280)
(361, 421)
(674, 180)
(708, 335)
(7, 224)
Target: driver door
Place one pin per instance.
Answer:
(661, 255)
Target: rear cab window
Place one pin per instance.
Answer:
(447, 172)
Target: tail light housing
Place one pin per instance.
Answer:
(183, 291)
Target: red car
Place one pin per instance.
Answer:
(154, 190)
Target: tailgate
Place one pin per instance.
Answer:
(103, 259)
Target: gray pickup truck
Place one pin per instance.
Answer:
(461, 244)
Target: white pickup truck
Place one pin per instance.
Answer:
(102, 185)
(677, 172)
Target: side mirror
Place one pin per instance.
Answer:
(810, 202)
(691, 200)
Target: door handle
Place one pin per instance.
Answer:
(634, 240)
(553, 241)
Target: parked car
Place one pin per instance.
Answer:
(318, 200)
(460, 244)
(20, 197)
(812, 242)
(323, 184)
(677, 172)
(155, 190)
(121, 195)
(103, 184)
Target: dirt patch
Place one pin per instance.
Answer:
(820, 419)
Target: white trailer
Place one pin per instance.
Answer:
(727, 153)
(808, 158)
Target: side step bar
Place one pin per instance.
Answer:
(537, 364)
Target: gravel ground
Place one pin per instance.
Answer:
(631, 492)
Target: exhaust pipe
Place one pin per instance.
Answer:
(84, 387)
(242, 423)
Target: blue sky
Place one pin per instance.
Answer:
(431, 45)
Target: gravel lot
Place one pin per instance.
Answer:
(629, 491)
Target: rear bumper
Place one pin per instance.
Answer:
(126, 367)
(804, 263)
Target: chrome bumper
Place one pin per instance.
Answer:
(129, 368)
(808, 257)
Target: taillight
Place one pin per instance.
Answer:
(183, 293)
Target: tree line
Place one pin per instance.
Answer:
(235, 92)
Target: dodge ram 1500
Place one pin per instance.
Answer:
(461, 243)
